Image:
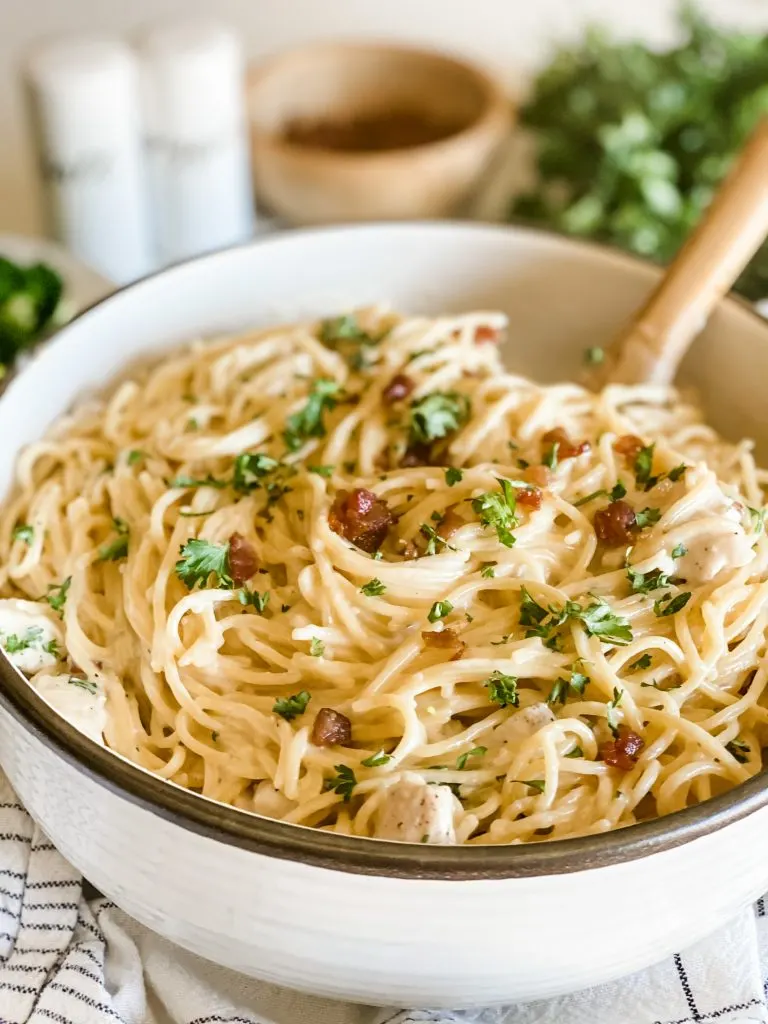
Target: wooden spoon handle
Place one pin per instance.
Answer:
(727, 237)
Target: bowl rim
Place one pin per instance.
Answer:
(309, 846)
(495, 113)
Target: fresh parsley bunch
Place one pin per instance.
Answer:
(633, 143)
(30, 305)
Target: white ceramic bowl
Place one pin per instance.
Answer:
(362, 919)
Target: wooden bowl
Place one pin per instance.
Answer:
(337, 83)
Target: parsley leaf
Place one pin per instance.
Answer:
(644, 583)
(291, 707)
(668, 605)
(531, 612)
(647, 517)
(439, 610)
(675, 474)
(200, 559)
(594, 355)
(343, 782)
(453, 476)
(550, 456)
(488, 571)
(738, 749)
(52, 647)
(616, 493)
(599, 620)
(497, 509)
(537, 784)
(643, 466)
(376, 760)
(325, 471)
(187, 482)
(85, 684)
(757, 516)
(462, 759)
(559, 692)
(437, 415)
(643, 662)
(249, 470)
(434, 540)
(502, 689)
(134, 456)
(117, 548)
(13, 643)
(253, 598)
(25, 533)
(344, 328)
(316, 647)
(679, 550)
(57, 595)
(373, 588)
(308, 422)
(576, 752)
(610, 716)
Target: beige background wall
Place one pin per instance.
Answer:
(510, 35)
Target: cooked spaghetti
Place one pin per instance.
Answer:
(356, 576)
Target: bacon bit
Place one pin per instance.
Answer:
(445, 639)
(541, 476)
(529, 497)
(331, 728)
(622, 751)
(567, 449)
(628, 445)
(242, 559)
(487, 333)
(449, 524)
(398, 388)
(614, 523)
(361, 517)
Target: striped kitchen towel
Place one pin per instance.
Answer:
(68, 959)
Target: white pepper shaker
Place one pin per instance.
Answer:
(197, 140)
(86, 111)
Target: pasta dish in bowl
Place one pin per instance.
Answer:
(355, 575)
(326, 628)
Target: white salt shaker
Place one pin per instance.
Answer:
(86, 112)
(197, 140)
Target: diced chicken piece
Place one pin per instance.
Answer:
(714, 550)
(80, 701)
(29, 635)
(270, 801)
(524, 723)
(414, 811)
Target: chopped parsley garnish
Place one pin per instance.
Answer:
(439, 610)
(84, 684)
(343, 782)
(250, 468)
(134, 456)
(316, 647)
(187, 482)
(118, 548)
(610, 715)
(497, 509)
(594, 355)
(52, 648)
(57, 595)
(308, 422)
(373, 588)
(376, 760)
(291, 707)
(200, 559)
(675, 474)
(576, 752)
(253, 599)
(538, 784)
(345, 328)
(643, 662)
(437, 415)
(738, 749)
(453, 476)
(679, 550)
(13, 643)
(25, 533)
(616, 493)
(531, 612)
(325, 471)
(462, 759)
(645, 582)
(647, 517)
(757, 516)
(550, 456)
(488, 571)
(643, 466)
(502, 689)
(559, 692)
(668, 605)
(597, 618)
(434, 540)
